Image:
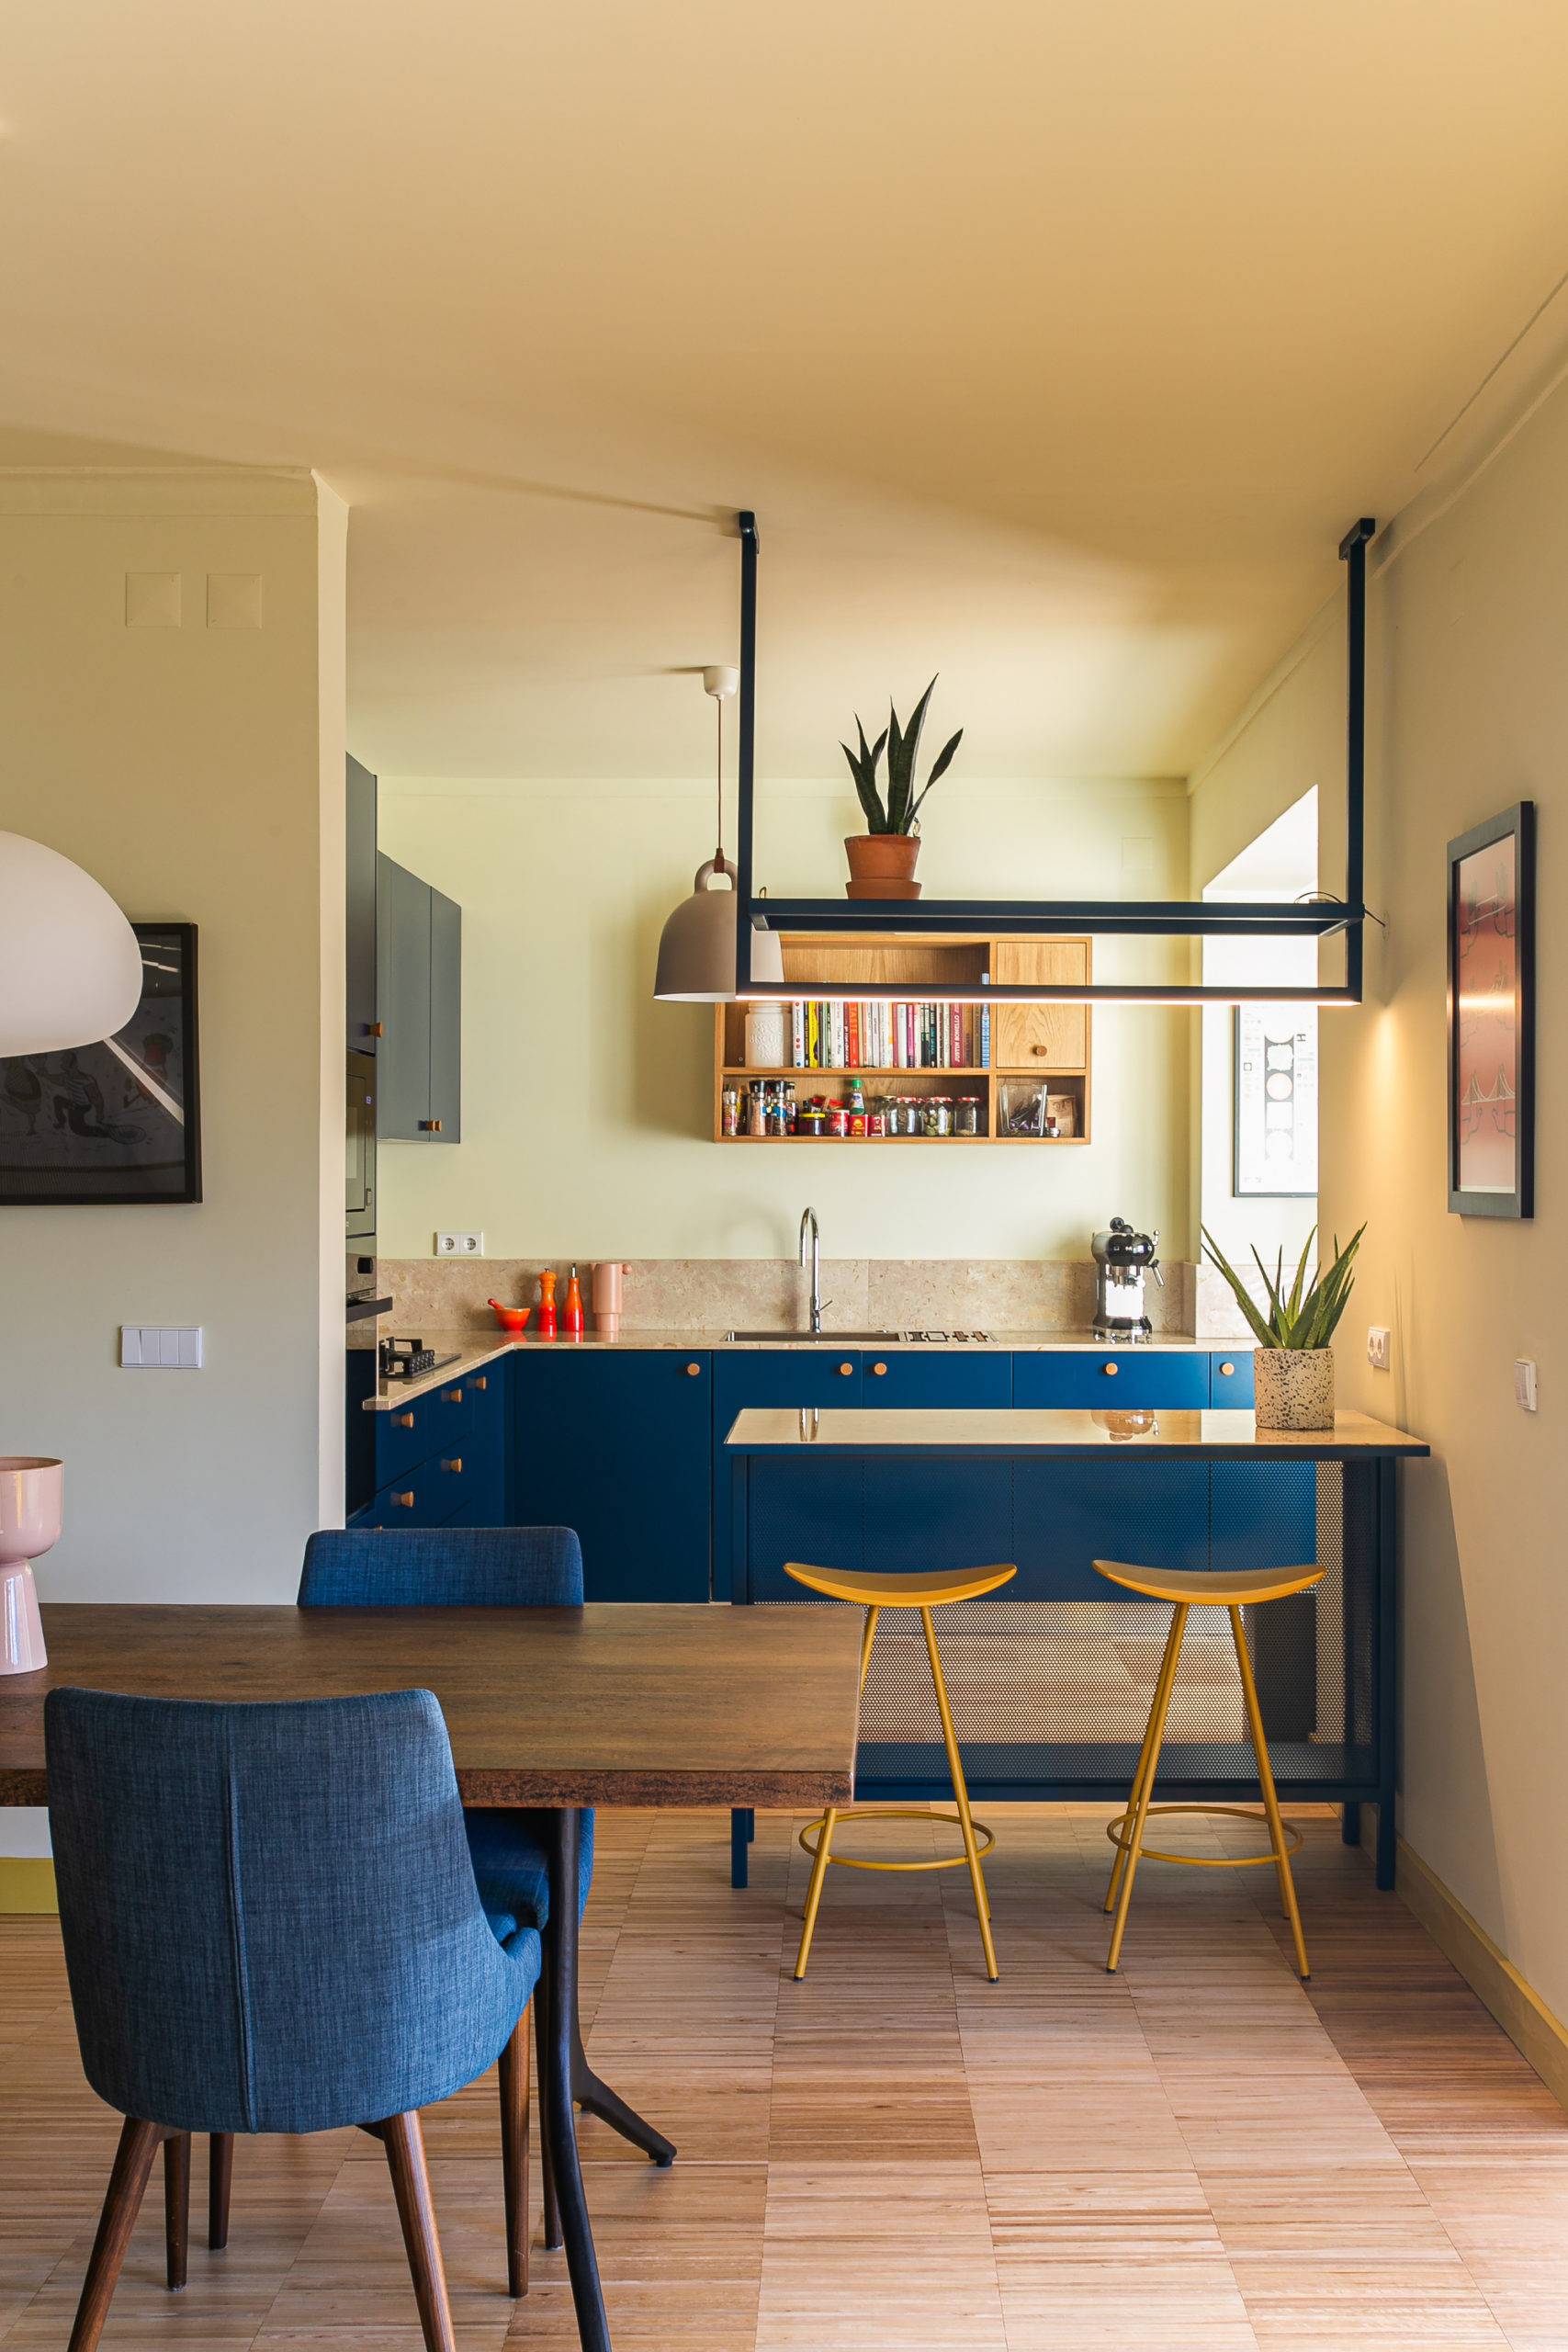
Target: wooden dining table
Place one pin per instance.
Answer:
(560, 1709)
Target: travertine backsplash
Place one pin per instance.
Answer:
(768, 1294)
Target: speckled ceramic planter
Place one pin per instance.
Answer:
(1295, 1388)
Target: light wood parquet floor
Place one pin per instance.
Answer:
(1199, 2155)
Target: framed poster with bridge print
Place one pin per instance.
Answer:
(1491, 951)
(119, 1122)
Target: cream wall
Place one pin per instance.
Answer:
(1469, 604)
(588, 1109)
(198, 773)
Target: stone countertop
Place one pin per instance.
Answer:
(468, 1351)
(1207, 1432)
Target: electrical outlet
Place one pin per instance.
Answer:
(1379, 1342)
(459, 1245)
(1524, 1384)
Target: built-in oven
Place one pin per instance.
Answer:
(359, 1160)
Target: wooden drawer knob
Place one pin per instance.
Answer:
(1112, 1370)
(454, 1396)
(1226, 1370)
(404, 1502)
(845, 1369)
(478, 1381)
(879, 1369)
(693, 1369)
(429, 1126)
(1039, 1052)
(375, 1028)
(402, 1420)
(454, 1466)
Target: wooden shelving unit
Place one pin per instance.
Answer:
(1046, 1044)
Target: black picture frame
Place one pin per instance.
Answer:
(1465, 929)
(112, 1114)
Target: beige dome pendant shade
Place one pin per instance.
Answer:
(696, 947)
(69, 965)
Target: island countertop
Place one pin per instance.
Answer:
(1212, 1434)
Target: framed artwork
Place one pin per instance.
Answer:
(119, 1122)
(1492, 1017)
(1276, 1101)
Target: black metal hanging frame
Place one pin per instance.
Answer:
(1153, 917)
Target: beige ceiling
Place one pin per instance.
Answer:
(1055, 345)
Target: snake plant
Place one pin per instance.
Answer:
(1306, 1315)
(899, 813)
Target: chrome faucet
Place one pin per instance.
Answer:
(808, 1222)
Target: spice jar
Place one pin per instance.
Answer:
(756, 1109)
(903, 1115)
(838, 1119)
(813, 1116)
(731, 1120)
(939, 1114)
(966, 1117)
(876, 1115)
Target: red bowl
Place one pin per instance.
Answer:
(511, 1319)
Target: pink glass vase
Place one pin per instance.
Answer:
(31, 1495)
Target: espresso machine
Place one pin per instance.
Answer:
(1123, 1261)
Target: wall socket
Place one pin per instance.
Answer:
(459, 1245)
(1380, 1346)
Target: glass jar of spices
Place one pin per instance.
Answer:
(967, 1115)
(939, 1114)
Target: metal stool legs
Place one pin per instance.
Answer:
(1127, 1833)
(822, 1853)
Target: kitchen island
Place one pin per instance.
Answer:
(1051, 1681)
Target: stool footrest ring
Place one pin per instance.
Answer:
(810, 1837)
(1119, 1833)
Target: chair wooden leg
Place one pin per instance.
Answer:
(554, 2236)
(177, 2208)
(219, 2179)
(1270, 1800)
(1140, 1812)
(122, 2202)
(1156, 1706)
(411, 2184)
(514, 2154)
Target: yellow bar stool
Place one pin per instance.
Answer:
(874, 1593)
(1185, 1590)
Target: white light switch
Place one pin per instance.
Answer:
(160, 1347)
(1524, 1384)
(459, 1245)
(1379, 1344)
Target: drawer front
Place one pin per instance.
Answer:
(784, 1376)
(406, 1435)
(1121, 1376)
(418, 1497)
(1231, 1380)
(921, 1378)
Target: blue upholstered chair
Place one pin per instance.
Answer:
(271, 1923)
(486, 1567)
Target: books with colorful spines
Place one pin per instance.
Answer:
(955, 1053)
(798, 1035)
(852, 1036)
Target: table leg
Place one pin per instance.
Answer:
(1350, 1825)
(740, 1841)
(559, 2123)
(1387, 1668)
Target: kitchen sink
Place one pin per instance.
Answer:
(822, 1339)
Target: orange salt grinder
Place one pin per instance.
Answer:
(547, 1325)
(571, 1320)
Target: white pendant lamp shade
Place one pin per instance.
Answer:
(69, 967)
(696, 949)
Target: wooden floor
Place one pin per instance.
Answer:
(1199, 2155)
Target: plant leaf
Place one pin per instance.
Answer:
(943, 762)
(1242, 1296)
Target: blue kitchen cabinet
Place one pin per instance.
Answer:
(617, 1442)
(791, 1378)
(1114, 1379)
(912, 1379)
(1231, 1380)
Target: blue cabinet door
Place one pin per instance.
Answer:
(617, 1443)
(916, 1378)
(790, 1378)
(1118, 1376)
(1231, 1379)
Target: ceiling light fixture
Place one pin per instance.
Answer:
(698, 946)
(70, 964)
(1316, 918)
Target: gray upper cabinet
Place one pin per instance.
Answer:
(418, 981)
(360, 909)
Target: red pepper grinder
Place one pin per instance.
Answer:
(571, 1315)
(548, 1304)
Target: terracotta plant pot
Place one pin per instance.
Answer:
(1295, 1388)
(882, 865)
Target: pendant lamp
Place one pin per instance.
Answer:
(70, 964)
(697, 948)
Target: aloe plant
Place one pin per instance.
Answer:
(1306, 1315)
(902, 807)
